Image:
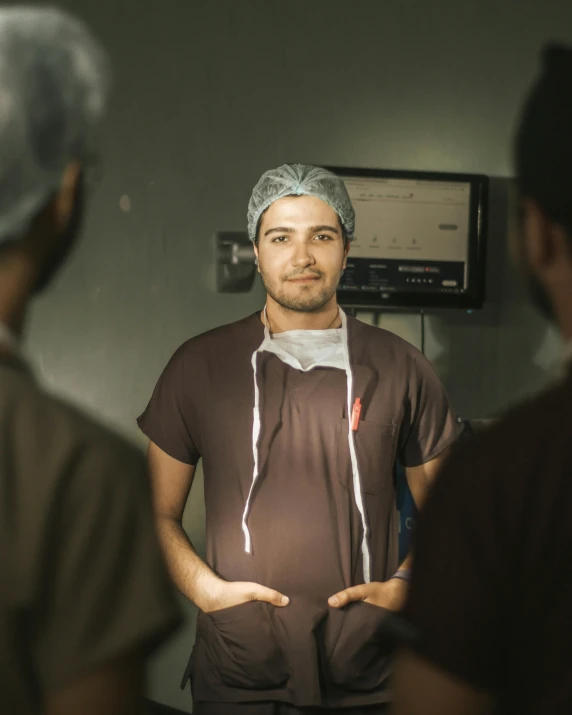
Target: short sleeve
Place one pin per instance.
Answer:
(455, 604)
(431, 424)
(104, 589)
(167, 421)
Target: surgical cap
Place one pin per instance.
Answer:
(53, 89)
(301, 180)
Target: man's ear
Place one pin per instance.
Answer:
(54, 218)
(346, 251)
(256, 253)
(62, 204)
(544, 241)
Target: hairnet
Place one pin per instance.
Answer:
(53, 90)
(301, 180)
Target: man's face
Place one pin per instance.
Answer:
(301, 252)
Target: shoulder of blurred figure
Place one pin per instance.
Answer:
(61, 434)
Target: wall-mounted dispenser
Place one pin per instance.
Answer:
(235, 266)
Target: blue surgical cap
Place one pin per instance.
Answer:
(53, 88)
(301, 180)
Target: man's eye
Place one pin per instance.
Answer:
(323, 237)
(279, 239)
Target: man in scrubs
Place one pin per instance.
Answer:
(298, 414)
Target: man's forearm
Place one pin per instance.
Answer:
(407, 563)
(189, 572)
(420, 479)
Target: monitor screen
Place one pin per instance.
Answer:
(419, 240)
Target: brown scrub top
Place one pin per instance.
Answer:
(305, 527)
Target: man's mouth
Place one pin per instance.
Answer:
(309, 278)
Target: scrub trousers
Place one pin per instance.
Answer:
(282, 709)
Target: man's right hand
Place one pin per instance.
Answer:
(225, 594)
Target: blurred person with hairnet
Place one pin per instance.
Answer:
(84, 593)
(298, 413)
(489, 619)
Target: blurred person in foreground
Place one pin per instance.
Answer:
(489, 612)
(84, 595)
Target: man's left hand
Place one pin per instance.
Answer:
(389, 594)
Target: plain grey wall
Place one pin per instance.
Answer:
(207, 97)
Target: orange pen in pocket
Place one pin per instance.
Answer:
(356, 412)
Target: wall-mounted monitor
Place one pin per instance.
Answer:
(420, 240)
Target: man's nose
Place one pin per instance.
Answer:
(303, 256)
